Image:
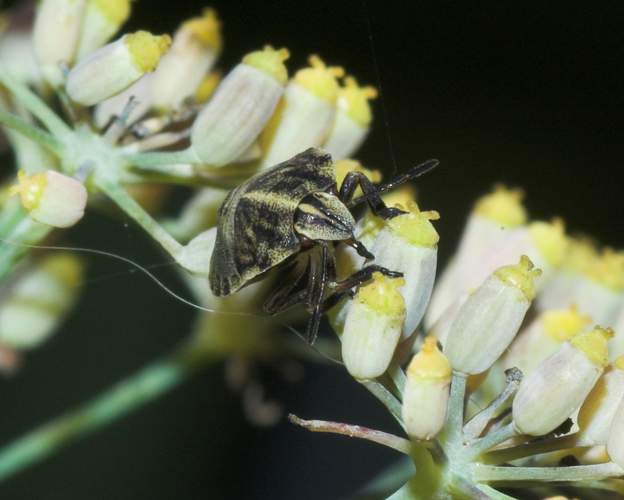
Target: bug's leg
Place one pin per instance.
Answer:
(377, 205)
(294, 292)
(316, 290)
(359, 247)
(363, 275)
(411, 174)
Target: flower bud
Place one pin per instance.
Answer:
(543, 337)
(615, 443)
(352, 121)
(56, 32)
(489, 224)
(242, 105)
(196, 46)
(557, 292)
(373, 327)
(198, 214)
(558, 386)
(305, 115)
(600, 290)
(598, 410)
(544, 243)
(51, 198)
(197, 253)
(487, 322)
(102, 19)
(616, 346)
(34, 305)
(426, 392)
(18, 57)
(409, 244)
(115, 67)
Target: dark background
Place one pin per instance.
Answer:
(525, 93)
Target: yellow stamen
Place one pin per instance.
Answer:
(429, 363)
(147, 49)
(521, 276)
(619, 363)
(116, 11)
(415, 226)
(503, 206)
(608, 270)
(206, 29)
(382, 295)
(353, 99)
(319, 79)
(551, 240)
(270, 61)
(563, 324)
(30, 188)
(594, 344)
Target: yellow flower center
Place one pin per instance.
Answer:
(30, 188)
(429, 363)
(562, 325)
(521, 276)
(206, 29)
(116, 11)
(382, 295)
(147, 49)
(415, 226)
(550, 239)
(608, 270)
(594, 345)
(320, 79)
(270, 61)
(503, 206)
(353, 99)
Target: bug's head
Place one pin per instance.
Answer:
(322, 216)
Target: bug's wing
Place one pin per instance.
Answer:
(256, 230)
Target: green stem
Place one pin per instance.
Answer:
(475, 427)
(455, 421)
(158, 159)
(528, 449)
(486, 473)
(136, 212)
(398, 377)
(493, 493)
(386, 397)
(35, 105)
(480, 446)
(19, 232)
(31, 131)
(146, 385)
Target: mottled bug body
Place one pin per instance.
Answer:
(295, 209)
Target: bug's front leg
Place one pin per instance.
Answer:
(362, 276)
(319, 276)
(377, 205)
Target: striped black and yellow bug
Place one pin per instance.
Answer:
(296, 208)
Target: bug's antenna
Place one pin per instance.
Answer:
(134, 264)
(412, 173)
(384, 111)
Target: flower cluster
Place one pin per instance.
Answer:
(511, 360)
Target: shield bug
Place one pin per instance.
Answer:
(291, 210)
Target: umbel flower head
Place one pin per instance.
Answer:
(94, 115)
